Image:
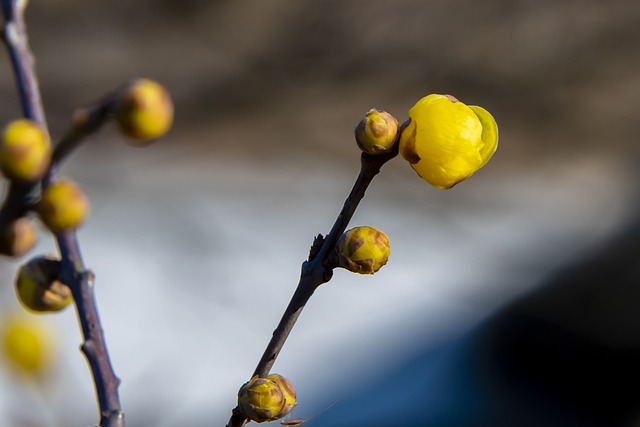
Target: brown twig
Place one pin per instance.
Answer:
(73, 272)
(318, 269)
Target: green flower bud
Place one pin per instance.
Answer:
(25, 151)
(38, 287)
(376, 133)
(144, 111)
(288, 391)
(447, 141)
(363, 250)
(262, 399)
(64, 206)
(18, 237)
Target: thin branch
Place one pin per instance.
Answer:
(318, 269)
(85, 121)
(14, 35)
(73, 271)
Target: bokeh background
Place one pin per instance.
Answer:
(197, 240)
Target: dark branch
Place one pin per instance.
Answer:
(17, 202)
(315, 271)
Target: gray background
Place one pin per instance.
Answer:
(197, 240)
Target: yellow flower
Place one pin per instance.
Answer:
(447, 141)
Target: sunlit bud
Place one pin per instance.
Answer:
(27, 344)
(261, 400)
(363, 250)
(25, 151)
(18, 237)
(144, 111)
(376, 133)
(63, 206)
(447, 141)
(288, 391)
(38, 287)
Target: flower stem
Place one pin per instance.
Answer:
(318, 269)
(73, 272)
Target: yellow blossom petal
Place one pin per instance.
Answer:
(447, 141)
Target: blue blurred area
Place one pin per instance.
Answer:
(565, 354)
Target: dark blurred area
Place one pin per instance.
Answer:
(534, 257)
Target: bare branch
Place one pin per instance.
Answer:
(318, 269)
(73, 271)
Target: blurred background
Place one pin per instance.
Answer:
(508, 300)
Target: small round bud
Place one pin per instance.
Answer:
(447, 141)
(26, 344)
(63, 206)
(18, 237)
(376, 133)
(25, 151)
(38, 287)
(261, 399)
(144, 111)
(363, 250)
(288, 391)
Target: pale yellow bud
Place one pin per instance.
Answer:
(144, 111)
(25, 151)
(18, 237)
(376, 133)
(363, 250)
(64, 206)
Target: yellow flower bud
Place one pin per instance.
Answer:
(261, 400)
(288, 391)
(63, 206)
(144, 111)
(25, 151)
(38, 287)
(26, 344)
(363, 250)
(447, 141)
(376, 132)
(18, 237)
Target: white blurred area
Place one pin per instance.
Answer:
(196, 241)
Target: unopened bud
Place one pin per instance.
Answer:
(64, 206)
(25, 151)
(363, 250)
(144, 111)
(376, 133)
(18, 237)
(266, 399)
(38, 286)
